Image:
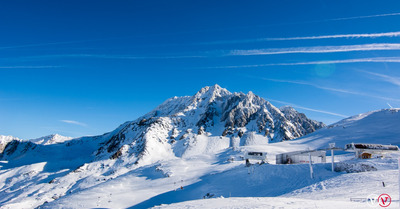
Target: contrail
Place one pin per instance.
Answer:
(362, 60)
(372, 35)
(316, 49)
(42, 44)
(357, 35)
(306, 108)
(328, 88)
(222, 29)
(59, 43)
(372, 59)
(28, 67)
(362, 17)
(105, 56)
(387, 78)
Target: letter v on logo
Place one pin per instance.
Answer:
(384, 200)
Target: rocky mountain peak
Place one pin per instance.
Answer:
(210, 120)
(210, 93)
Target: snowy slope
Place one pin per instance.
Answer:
(290, 185)
(331, 190)
(196, 142)
(263, 202)
(180, 129)
(377, 127)
(224, 174)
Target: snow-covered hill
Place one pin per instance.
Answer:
(196, 142)
(377, 127)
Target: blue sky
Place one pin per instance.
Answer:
(84, 67)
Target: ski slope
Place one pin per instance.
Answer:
(266, 185)
(334, 191)
(206, 169)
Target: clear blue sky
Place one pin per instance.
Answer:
(84, 67)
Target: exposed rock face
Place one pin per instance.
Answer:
(4, 140)
(300, 120)
(212, 111)
(208, 121)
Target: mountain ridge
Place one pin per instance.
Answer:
(212, 119)
(187, 138)
(212, 111)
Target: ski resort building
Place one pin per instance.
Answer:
(249, 155)
(297, 157)
(366, 151)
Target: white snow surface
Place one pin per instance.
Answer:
(51, 139)
(263, 203)
(144, 163)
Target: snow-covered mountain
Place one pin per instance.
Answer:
(51, 139)
(185, 141)
(300, 120)
(193, 141)
(206, 123)
(212, 119)
(224, 174)
(4, 140)
(83, 173)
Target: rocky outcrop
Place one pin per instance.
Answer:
(206, 113)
